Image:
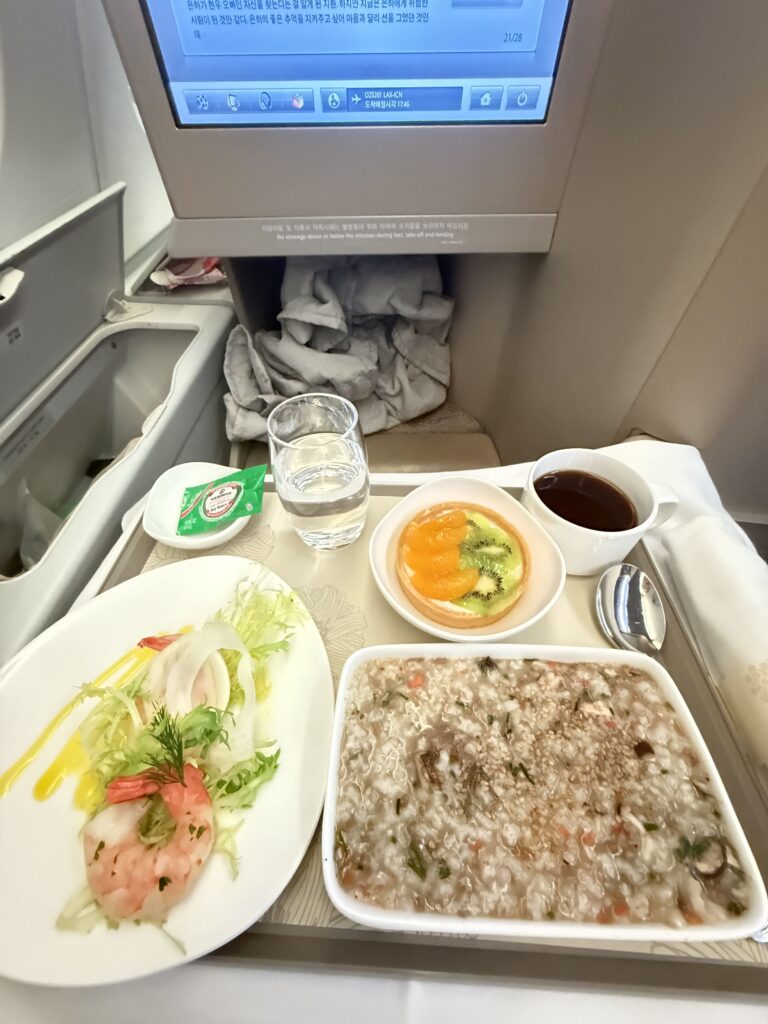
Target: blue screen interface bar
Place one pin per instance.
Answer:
(336, 62)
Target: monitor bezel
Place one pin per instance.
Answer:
(234, 179)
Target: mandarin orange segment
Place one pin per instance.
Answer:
(442, 530)
(449, 587)
(447, 519)
(432, 563)
(435, 540)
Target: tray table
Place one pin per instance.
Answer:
(303, 928)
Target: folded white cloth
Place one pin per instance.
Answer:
(723, 584)
(373, 329)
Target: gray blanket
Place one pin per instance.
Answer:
(373, 329)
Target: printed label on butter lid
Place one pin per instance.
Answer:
(221, 500)
(218, 503)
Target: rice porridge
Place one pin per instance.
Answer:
(528, 790)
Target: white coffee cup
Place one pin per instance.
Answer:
(591, 551)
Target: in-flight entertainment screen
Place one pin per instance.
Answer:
(357, 62)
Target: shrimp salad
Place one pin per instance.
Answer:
(170, 756)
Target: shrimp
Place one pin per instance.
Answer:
(134, 882)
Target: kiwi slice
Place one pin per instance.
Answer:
(489, 585)
(488, 548)
(498, 558)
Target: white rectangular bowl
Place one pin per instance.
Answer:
(747, 924)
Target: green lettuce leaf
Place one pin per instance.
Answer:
(113, 735)
(202, 727)
(265, 620)
(237, 787)
(225, 838)
(156, 826)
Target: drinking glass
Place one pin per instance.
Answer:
(320, 468)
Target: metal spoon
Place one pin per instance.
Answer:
(629, 610)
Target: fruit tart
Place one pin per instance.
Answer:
(462, 565)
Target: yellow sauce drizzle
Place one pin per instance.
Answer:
(71, 760)
(8, 778)
(134, 658)
(88, 793)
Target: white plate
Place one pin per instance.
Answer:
(161, 515)
(375, 917)
(41, 856)
(547, 571)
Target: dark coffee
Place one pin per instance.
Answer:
(586, 500)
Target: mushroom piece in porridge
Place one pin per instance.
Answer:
(530, 790)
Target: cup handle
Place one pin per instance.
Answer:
(667, 501)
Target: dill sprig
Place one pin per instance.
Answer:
(168, 766)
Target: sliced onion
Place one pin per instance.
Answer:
(158, 671)
(191, 671)
(240, 740)
(211, 684)
(81, 913)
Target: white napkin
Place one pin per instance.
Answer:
(723, 584)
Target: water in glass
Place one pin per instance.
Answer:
(322, 480)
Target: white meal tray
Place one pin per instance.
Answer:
(303, 928)
(376, 917)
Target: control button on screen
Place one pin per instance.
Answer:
(485, 97)
(523, 97)
(333, 99)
